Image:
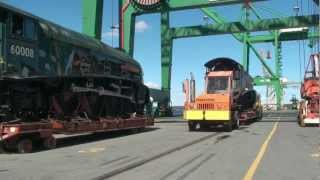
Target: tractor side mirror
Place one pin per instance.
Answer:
(185, 86)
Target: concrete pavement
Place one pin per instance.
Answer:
(169, 151)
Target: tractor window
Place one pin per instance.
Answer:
(217, 85)
(17, 26)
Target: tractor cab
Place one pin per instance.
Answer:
(218, 82)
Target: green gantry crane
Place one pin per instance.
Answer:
(130, 9)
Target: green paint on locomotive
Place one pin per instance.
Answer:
(31, 47)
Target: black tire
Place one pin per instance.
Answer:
(49, 143)
(142, 129)
(192, 126)
(236, 120)
(204, 126)
(260, 115)
(301, 122)
(2, 150)
(134, 131)
(25, 146)
(229, 126)
(237, 124)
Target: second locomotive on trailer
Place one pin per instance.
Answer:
(228, 98)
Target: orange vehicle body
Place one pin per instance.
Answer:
(310, 92)
(228, 99)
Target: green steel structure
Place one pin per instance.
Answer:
(130, 9)
(92, 17)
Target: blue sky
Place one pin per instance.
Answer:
(189, 54)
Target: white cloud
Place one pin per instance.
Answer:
(142, 26)
(152, 85)
(113, 33)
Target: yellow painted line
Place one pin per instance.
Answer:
(315, 155)
(92, 150)
(251, 171)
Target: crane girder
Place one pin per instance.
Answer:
(249, 26)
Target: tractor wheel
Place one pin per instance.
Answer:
(236, 120)
(204, 126)
(24, 146)
(260, 115)
(301, 122)
(229, 126)
(192, 126)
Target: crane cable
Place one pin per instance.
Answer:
(303, 43)
(316, 8)
(112, 23)
(299, 45)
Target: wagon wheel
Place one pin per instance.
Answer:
(66, 104)
(24, 146)
(71, 103)
(49, 143)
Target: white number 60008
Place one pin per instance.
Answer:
(21, 51)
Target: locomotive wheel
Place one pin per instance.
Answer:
(49, 143)
(24, 146)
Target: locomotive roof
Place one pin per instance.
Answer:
(222, 63)
(63, 34)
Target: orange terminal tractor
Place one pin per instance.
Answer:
(228, 98)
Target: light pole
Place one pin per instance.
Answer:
(113, 29)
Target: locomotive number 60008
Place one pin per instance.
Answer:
(21, 51)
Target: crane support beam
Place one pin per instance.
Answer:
(176, 5)
(92, 11)
(262, 61)
(193, 4)
(250, 26)
(284, 37)
(128, 12)
(264, 81)
(218, 19)
(166, 54)
(241, 38)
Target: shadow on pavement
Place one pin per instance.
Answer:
(87, 138)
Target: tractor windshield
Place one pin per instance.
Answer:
(217, 84)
